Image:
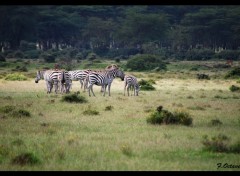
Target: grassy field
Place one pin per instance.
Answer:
(60, 136)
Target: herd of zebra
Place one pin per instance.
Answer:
(62, 79)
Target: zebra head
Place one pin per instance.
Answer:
(38, 77)
(137, 88)
(120, 74)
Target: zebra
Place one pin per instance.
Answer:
(131, 82)
(50, 77)
(103, 78)
(65, 81)
(79, 75)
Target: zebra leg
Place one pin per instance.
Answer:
(90, 88)
(56, 86)
(128, 89)
(109, 86)
(48, 87)
(104, 87)
(81, 82)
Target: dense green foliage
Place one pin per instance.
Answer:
(182, 32)
(146, 85)
(161, 116)
(234, 73)
(145, 62)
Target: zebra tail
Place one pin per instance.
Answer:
(63, 78)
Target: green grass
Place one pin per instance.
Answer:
(114, 134)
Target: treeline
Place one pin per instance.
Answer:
(118, 31)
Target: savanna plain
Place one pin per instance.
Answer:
(59, 136)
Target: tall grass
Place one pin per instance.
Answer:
(60, 136)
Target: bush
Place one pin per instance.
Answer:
(2, 58)
(90, 111)
(145, 62)
(216, 143)
(234, 88)
(234, 73)
(26, 158)
(49, 58)
(216, 122)
(18, 54)
(225, 54)
(25, 46)
(14, 111)
(32, 54)
(15, 77)
(20, 68)
(146, 85)
(74, 98)
(199, 54)
(161, 116)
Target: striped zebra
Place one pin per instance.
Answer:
(131, 82)
(103, 78)
(65, 81)
(79, 75)
(50, 77)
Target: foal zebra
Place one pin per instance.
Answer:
(103, 78)
(50, 77)
(131, 81)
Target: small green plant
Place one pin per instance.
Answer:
(235, 148)
(74, 98)
(234, 73)
(21, 113)
(234, 88)
(90, 111)
(14, 111)
(216, 143)
(15, 77)
(108, 108)
(126, 150)
(216, 122)
(7, 109)
(25, 159)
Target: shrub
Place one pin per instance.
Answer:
(15, 77)
(199, 54)
(161, 116)
(21, 113)
(2, 58)
(7, 108)
(216, 143)
(224, 54)
(32, 54)
(20, 68)
(184, 118)
(234, 88)
(145, 62)
(74, 98)
(234, 73)
(235, 148)
(126, 150)
(24, 45)
(90, 111)
(18, 54)
(216, 122)
(14, 111)
(108, 108)
(146, 85)
(50, 58)
(26, 158)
